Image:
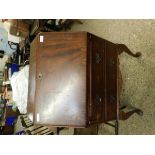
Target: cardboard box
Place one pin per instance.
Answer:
(19, 28)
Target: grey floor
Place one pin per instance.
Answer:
(138, 74)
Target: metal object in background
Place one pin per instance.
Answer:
(4, 46)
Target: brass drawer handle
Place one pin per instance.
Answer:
(98, 58)
(112, 62)
(112, 98)
(98, 99)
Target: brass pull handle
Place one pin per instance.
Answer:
(98, 58)
(98, 99)
(112, 62)
(40, 76)
(112, 98)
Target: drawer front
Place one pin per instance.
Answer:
(97, 79)
(111, 82)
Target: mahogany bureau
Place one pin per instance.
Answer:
(74, 80)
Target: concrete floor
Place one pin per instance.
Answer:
(138, 74)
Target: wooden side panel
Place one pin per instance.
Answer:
(61, 79)
(111, 81)
(97, 79)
